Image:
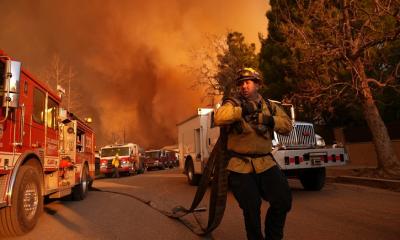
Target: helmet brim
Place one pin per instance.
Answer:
(240, 80)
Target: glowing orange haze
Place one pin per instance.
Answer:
(127, 54)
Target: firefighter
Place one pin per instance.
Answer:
(115, 163)
(253, 173)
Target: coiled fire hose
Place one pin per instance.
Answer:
(215, 169)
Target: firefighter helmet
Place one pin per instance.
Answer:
(247, 74)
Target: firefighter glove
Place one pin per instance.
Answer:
(249, 108)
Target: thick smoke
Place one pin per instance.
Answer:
(127, 55)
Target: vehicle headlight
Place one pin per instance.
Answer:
(320, 141)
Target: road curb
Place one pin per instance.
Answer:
(393, 185)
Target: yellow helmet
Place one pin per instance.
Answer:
(248, 74)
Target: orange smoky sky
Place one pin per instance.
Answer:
(127, 55)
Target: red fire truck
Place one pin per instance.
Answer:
(160, 159)
(129, 155)
(44, 151)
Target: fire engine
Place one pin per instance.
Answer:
(302, 153)
(130, 158)
(44, 151)
(160, 159)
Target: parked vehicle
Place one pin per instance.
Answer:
(155, 159)
(172, 158)
(300, 154)
(44, 150)
(129, 157)
(160, 159)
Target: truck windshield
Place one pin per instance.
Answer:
(110, 152)
(155, 154)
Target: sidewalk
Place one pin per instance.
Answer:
(350, 175)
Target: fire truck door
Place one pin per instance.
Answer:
(51, 125)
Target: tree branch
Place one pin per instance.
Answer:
(376, 42)
(376, 82)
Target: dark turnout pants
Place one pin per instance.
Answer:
(270, 185)
(116, 172)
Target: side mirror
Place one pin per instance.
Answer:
(11, 84)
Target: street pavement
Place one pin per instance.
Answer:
(339, 211)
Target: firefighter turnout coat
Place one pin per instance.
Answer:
(244, 139)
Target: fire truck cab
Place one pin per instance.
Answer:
(155, 159)
(129, 155)
(44, 151)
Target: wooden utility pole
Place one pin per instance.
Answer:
(124, 136)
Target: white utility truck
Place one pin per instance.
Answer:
(302, 153)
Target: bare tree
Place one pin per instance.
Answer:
(56, 73)
(59, 73)
(73, 99)
(338, 47)
(204, 65)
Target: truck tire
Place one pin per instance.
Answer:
(193, 178)
(313, 179)
(26, 203)
(162, 166)
(133, 170)
(90, 186)
(79, 192)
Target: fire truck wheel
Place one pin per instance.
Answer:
(90, 186)
(80, 191)
(27, 204)
(313, 179)
(193, 178)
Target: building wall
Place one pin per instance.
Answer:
(364, 154)
(361, 153)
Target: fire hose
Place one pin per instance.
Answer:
(215, 169)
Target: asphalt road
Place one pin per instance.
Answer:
(337, 212)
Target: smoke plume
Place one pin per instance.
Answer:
(127, 55)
